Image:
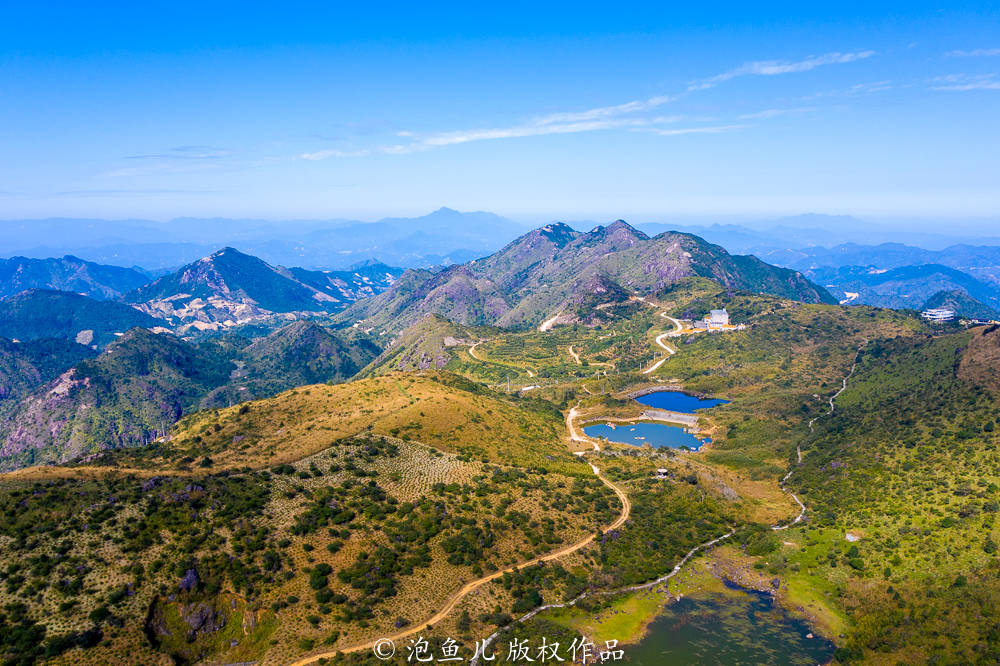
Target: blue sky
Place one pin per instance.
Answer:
(646, 112)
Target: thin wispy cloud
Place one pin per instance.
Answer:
(633, 115)
(128, 192)
(184, 153)
(857, 89)
(966, 82)
(606, 111)
(163, 167)
(775, 67)
(973, 53)
(541, 129)
(332, 152)
(774, 113)
(542, 126)
(680, 131)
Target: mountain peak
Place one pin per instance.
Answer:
(227, 252)
(559, 233)
(623, 227)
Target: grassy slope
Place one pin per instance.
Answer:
(909, 463)
(440, 409)
(255, 538)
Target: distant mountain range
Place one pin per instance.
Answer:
(980, 261)
(115, 348)
(441, 237)
(902, 287)
(68, 274)
(552, 269)
(815, 231)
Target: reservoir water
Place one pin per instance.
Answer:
(677, 401)
(655, 434)
(743, 628)
(658, 434)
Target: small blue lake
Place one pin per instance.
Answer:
(677, 401)
(656, 435)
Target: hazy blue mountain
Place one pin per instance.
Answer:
(43, 313)
(68, 274)
(901, 287)
(441, 237)
(785, 241)
(982, 259)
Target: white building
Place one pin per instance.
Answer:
(718, 318)
(938, 314)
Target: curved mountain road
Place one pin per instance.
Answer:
(660, 341)
(471, 586)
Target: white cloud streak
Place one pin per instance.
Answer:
(627, 116)
(973, 53)
(966, 82)
(680, 131)
(775, 67)
(774, 113)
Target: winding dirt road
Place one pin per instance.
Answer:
(660, 341)
(471, 586)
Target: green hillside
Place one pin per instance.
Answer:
(908, 463)
(42, 313)
(127, 396)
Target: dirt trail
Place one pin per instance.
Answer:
(549, 323)
(462, 592)
(798, 449)
(472, 353)
(576, 357)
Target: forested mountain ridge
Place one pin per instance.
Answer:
(68, 273)
(552, 268)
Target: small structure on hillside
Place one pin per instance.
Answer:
(938, 314)
(662, 473)
(718, 318)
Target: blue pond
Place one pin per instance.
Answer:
(637, 434)
(676, 401)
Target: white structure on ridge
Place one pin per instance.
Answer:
(938, 314)
(718, 318)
